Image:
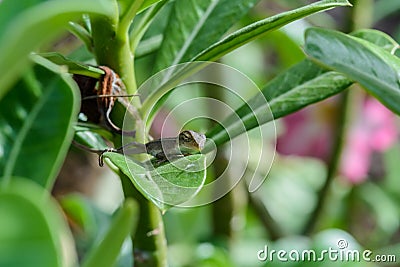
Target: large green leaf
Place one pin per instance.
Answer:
(36, 122)
(26, 26)
(32, 230)
(378, 38)
(301, 85)
(376, 69)
(168, 185)
(196, 24)
(107, 251)
(259, 28)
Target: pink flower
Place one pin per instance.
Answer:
(374, 131)
(309, 133)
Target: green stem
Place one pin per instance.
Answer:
(111, 47)
(338, 144)
(149, 239)
(113, 50)
(271, 226)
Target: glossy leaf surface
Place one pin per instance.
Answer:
(36, 122)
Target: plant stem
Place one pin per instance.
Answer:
(272, 228)
(112, 48)
(338, 144)
(150, 247)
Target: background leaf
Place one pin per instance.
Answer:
(237, 39)
(196, 24)
(27, 28)
(378, 38)
(107, 251)
(36, 122)
(32, 229)
(373, 67)
(259, 28)
(301, 85)
(73, 66)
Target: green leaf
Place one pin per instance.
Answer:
(27, 28)
(32, 230)
(196, 24)
(146, 3)
(90, 139)
(107, 251)
(378, 38)
(231, 42)
(374, 68)
(36, 119)
(259, 28)
(168, 185)
(73, 66)
(148, 46)
(301, 85)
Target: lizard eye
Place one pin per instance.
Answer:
(186, 136)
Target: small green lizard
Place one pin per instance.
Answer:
(186, 143)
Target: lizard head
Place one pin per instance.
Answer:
(192, 140)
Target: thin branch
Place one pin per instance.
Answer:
(270, 225)
(333, 164)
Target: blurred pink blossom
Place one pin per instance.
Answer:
(374, 131)
(309, 133)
